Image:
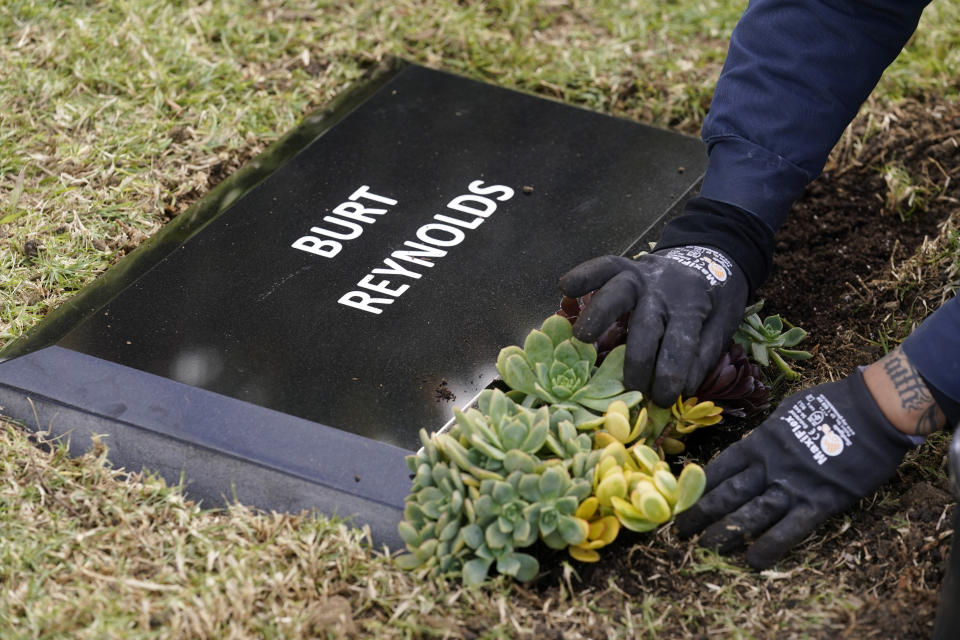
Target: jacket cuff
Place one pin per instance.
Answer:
(752, 178)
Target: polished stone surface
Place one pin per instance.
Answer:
(292, 295)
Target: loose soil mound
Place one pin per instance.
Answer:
(882, 563)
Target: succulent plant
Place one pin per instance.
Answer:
(612, 337)
(766, 340)
(690, 414)
(437, 508)
(555, 368)
(565, 441)
(498, 437)
(554, 497)
(655, 494)
(508, 560)
(734, 384)
(602, 530)
(510, 520)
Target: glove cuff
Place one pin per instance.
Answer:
(742, 236)
(889, 443)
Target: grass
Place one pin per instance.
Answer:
(118, 115)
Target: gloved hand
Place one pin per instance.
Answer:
(818, 453)
(686, 303)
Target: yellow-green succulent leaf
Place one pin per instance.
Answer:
(614, 485)
(630, 517)
(654, 507)
(647, 457)
(641, 425)
(672, 446)
(642, 488)
(601, 439)
(691, 484)
(611, 528)
(587, 508)
(619, 407)
(666, 484)
(617, 425)
(582, 554)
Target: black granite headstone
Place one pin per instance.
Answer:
(283, 342)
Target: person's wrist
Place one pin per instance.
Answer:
(902, 395)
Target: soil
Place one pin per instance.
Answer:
(832, 276)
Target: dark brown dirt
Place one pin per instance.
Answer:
(841, 236)
(886, 558)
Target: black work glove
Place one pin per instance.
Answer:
(818, 453)
(685, 304)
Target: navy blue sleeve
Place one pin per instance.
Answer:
(934, 349)
(795, 75)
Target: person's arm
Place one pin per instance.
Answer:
(795, 75)
(825, 448)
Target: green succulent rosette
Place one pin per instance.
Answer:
(767, 341)
(555, 368)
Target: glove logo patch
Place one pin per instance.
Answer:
(716, 269)
(818, 426)
(714, 266)
(831, 444)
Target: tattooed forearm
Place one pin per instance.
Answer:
(910, 387)
(932, 420)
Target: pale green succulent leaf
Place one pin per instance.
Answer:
(792, 337)
(612, 367)
(666, 484)
(557, 328)
(409, 534)
(572, 530)
(552, 483)
(503, 493)
(554, 540)
(413, 513)
(450, 531)
(408, 562)
(793, 354)
(517, 373)
(773, 325)
(494, 537)
(472, 535)
(517, 460)
(513, 434)
(538, 347)
(630, 517)
(508, 564)
(486, 449)
(524, 534)
(543, 394)
(496, 406)
(586, 351)
(567, 354)
(475, 571)
(630, 398)
(529, 488)
(598, 389)
(529, 567)
(567, 504)
(485, 507)
(759, 353)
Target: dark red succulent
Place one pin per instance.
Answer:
(614, 336)
(734, 384)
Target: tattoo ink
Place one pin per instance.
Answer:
(910, 387)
